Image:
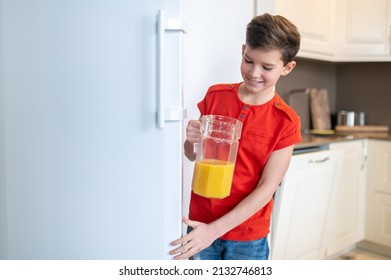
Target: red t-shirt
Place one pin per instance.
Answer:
(265, 128)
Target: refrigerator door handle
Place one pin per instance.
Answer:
(163, 25)
(175, 114)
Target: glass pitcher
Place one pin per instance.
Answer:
(215, 156)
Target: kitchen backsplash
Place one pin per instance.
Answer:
(355, 86)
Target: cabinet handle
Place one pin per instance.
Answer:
(365, 150)
(319, 160)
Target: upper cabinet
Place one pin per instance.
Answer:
(343, 30)
(363, 29)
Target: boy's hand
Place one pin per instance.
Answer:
(193, 132)
(201, 237)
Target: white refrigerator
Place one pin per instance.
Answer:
(91, 124)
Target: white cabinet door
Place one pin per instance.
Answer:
(302, 202)
(345, 225)
(363, 28)
(378, 226)
(381, 219)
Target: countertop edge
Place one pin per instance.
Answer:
(313, 140)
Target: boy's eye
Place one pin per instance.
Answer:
(267, 68)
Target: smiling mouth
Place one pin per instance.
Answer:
(254, 82)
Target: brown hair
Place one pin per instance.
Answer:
(274, 32)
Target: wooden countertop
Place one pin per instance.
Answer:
(313, 140)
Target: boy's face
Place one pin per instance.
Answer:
(261, 69)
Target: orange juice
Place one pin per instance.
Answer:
(212, 178)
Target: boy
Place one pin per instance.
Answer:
(236, 227)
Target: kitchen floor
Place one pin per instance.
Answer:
(362, 254)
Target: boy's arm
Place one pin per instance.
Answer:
(189, 150)
(203, 235)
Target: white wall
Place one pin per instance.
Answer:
(212, 54)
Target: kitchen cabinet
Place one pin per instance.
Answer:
(363, 29)
(378, 222)
(344, 30)
(301, 205)
(346, 220)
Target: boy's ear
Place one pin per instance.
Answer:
(288, 68)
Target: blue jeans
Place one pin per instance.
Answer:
(235, 250)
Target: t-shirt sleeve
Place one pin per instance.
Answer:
(202, 106)
(291, 136)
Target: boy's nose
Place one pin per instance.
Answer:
(255, 72)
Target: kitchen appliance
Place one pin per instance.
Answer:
(92, 135)
(216, 156)
(312, 176)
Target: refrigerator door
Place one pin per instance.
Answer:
(89, 172)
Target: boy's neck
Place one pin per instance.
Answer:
(251, 98)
